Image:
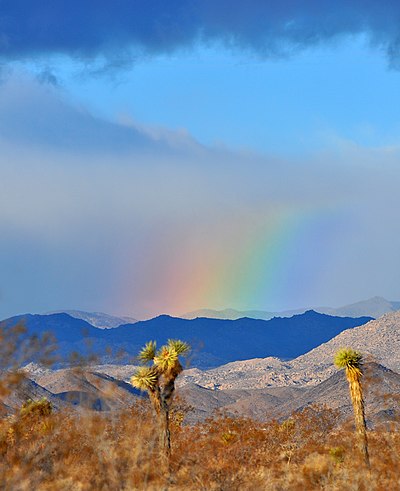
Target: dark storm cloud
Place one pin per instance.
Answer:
(122, 30)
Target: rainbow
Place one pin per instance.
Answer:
(268, 259)
(261, 261)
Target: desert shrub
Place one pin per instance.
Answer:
(36, 409)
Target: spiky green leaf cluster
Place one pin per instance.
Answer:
(166, 358)
(165, 362)
(148, 353)
(348, 358)
(145, 378)
(179, 346)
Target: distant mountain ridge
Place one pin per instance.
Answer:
(372, 307)
(233, 314)
(215, 342)
(97, 319)
(262, 387)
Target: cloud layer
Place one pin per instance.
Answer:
(103, 225)
(123, 30)
(37, 114)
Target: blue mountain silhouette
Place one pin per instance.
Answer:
(214, 341)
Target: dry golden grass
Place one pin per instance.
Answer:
(94, 451)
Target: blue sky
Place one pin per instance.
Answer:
(220, 96)
(164, 157)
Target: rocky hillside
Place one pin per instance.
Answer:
(381, 388)
(90, 389)
(101, 392)
(29, 389)
(378, 340)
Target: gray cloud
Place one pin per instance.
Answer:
(37, 114)
(124, 30)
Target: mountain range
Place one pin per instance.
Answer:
(261, 388)
(97, 319)
(214, 341)
(372, 307)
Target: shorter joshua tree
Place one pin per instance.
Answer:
(351, 361)
(157, 377)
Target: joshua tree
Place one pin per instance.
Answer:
(351, 361)
(157, 377)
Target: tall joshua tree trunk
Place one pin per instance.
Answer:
(356, 394)
(159, 381)
(167, 388)
(165, 432)
(161, 409)
(351, 361)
